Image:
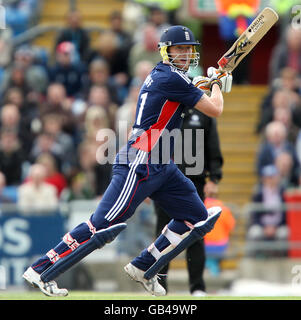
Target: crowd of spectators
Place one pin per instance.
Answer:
(52, 105)
(279, 157)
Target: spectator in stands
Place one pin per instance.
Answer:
(25, 72)
(46, 143)
(75, 33)
(66, 71)
(91, 178)
(104, 152)
(52, 125)
(284, 115)
(10, 119)
(4, 199)
(102, 168)
(124, 38)
(133, 16)
(58, 103)
(99, 162)
(100, 96)
(15, 77)
(288, 79)
(96, 118)
(79, 188)
(87, 161)
(169, 6)
(53, 176)
(11, 157)
(280, 98)
(142, 70)
(28, 109)
(147, 49)
(24, 56)
(36, 76)
(287, 176)
(125, 115)
(157, 17)
(36, 195)
(108, 48)
(268, 221)
(15, 96)
(99, 75)
(275, 143)
(217, 241)
(287, 53)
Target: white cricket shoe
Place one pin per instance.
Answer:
(48, 288)
(152, 285)
(198, 293)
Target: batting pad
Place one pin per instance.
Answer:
(97, 241)
(198, 232)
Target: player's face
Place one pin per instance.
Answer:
(181, 55)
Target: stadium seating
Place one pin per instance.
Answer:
(94, 13)
(239, 142)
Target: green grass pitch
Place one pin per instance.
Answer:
(91, 295)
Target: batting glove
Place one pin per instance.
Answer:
(202, 83)
(223, 79)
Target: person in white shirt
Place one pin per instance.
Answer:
(37, 196)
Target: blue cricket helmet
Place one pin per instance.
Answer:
(178, 35)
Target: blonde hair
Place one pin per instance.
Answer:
(96, 118)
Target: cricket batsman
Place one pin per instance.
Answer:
(166, 92)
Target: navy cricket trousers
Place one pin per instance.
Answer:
(129, 186)
(164, 183)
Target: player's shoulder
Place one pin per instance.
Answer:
(179, 76)
(172, 74)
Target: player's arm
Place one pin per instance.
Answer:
(216, 82)
(212, 106)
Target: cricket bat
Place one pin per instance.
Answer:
(248, 40)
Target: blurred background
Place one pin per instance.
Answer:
(71, 68)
